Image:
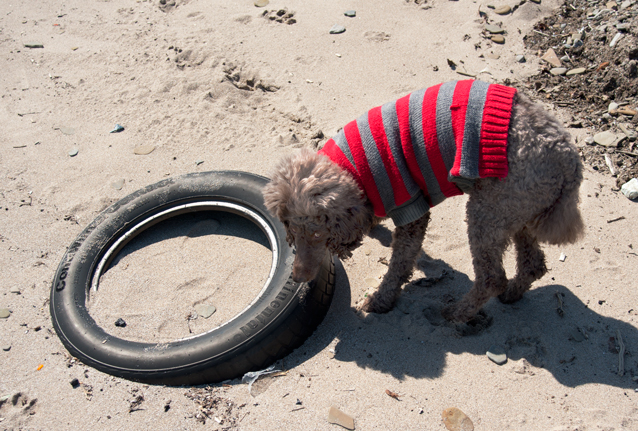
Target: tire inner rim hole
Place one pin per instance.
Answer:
(164, 283)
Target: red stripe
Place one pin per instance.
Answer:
(459, 109)
(375, 122)
(334, 153)
(432, 143)
(403, 114)
(351, 131)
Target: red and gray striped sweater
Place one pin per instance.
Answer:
(411, 154)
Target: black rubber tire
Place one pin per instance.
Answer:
(284, 314)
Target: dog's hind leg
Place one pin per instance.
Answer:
(530, 266)
(406, 244)
(488, 237)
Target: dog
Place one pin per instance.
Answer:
(515, 161)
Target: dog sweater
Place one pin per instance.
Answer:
(411, 154)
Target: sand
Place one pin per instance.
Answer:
(215, 82)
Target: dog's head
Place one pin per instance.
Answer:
(321, 207)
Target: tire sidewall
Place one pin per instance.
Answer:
(86, 340)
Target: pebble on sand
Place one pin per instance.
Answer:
(205, 310)
(350, 13)
(558, 71)
(261, 3)
(455, 420)
(73, 152)
(576, 71)
(497, 355)
(33, 45)
(117, 185)
(4, 313)
(336, 416)
(503, 10)
(337, 29)
(520, 58)
(493, 29)
(143, 150)
(551, 57)
(117, 129)
(606, 139)
(497, 38)
(6, 347)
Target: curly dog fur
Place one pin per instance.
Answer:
(322, 208)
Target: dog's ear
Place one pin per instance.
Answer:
(347, 228)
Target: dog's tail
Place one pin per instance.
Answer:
(562, 223)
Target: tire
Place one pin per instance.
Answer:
(277, 321)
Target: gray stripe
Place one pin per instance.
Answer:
(391, 126)
(418, 144)
(379, 174)
(342, 143)
(472, 134)
(444, 130)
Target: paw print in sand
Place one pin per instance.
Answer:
(281, 15)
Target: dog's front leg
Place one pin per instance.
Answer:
(406, 243)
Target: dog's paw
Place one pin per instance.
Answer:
(513, 293)
(372, 304)
(453, 313)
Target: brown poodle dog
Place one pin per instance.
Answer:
(324, 208)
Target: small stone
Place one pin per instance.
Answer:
(117, 185)
(15, 290)
(6, 347)
(612, 107)
(117, 129)
(624, 5)
(497, 38)
(73, 152)
(205, 310)
(576, 71)
(198, 162)
(336, 416)
(551, 57)
(615, 40)
(606, 139)
(120, 323)
(143, 150)
(623, 26)
(455, 420)
(503, 10)
(576, 335)
(350, 13)
(558, 71)
(337, 29)
(630, 189)
(520, 58)
(33, 45)
(493, 56)
(261, 3)
(4, 313)
(497, 355)
(631, 134)
(589, 140)
(75, 383)
(67, 130)
(578, 43)
(562, 257)
(493, 29)
(536, 1)
(565, 58)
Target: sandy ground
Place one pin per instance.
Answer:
(214, 81)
